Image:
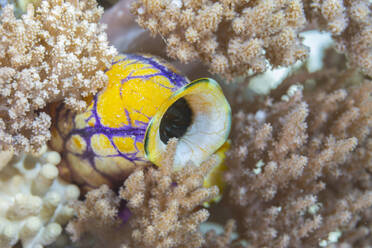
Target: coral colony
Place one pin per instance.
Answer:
(104, 143)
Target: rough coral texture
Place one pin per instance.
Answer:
(56, 51)
(97, 219)
(34, 201)
(164, 203)
(212, 240)
(300, 166)
(230, 36)
(350, 22)
(235, 36)
(163, 207)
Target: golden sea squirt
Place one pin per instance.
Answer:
(129, 122)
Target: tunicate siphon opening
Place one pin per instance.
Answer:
(175, 121)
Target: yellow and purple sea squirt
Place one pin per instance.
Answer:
(129, 122)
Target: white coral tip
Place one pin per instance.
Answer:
(23, 206)
(72, 192)
(46, 176)
(51, 233)
(8, 235)
(51, 202)
(52, 157)
(49, 171)
(31, 227)
(64, 215)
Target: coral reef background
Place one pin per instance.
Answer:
(55, 51)
(235, 36)
(300, 164)
(34, 201)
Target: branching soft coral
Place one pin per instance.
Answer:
(230, 36)
(224, 240)
(58, 51)
(98, 215)
(163, 204)
(290, 156)
(234, 36)
(350, 23)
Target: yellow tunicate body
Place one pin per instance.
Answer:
(104, 143)
(120, 128)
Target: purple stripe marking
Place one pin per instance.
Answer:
(145, 77)
(124, 131)
(87, 133)
(137, 132)
(177, 80)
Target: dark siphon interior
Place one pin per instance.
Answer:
(175, 121)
